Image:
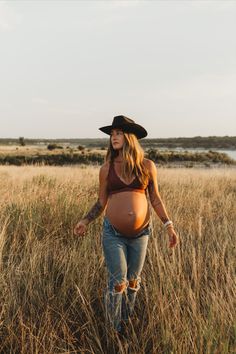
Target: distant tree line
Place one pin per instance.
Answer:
(219, 142)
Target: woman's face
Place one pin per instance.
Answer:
(117, 139)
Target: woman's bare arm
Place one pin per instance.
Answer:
(99, 206)
(158, 204)
(101, 202)
(154, 194)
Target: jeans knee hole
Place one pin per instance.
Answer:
(119, 288)
(134, 284)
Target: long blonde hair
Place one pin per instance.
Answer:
(133, 156)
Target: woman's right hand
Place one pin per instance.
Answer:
(80, 228)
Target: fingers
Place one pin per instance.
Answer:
(173, 241)
(172, 244)
(79, 230)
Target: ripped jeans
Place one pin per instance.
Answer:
(124, 259)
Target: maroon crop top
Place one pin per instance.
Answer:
(116, 185)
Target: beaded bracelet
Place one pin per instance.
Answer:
(169, 222)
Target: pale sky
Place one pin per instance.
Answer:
(68, 67)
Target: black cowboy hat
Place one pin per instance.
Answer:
(127, 125)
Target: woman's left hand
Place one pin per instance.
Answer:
(173, 237)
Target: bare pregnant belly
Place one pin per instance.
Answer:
(128, 212)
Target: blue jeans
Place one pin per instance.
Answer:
(124, 259)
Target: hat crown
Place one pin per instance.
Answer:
(120, 120)
(127, 125)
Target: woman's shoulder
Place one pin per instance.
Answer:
(104, 169)
(149, 164)
(151, 168)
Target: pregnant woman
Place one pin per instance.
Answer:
(125, 180)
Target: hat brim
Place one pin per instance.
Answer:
(134, 128)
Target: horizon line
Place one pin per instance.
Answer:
(146, 138)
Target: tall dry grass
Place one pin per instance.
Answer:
(51, 282)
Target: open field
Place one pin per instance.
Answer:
(51, 282)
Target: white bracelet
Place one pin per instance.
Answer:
(169, 222)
